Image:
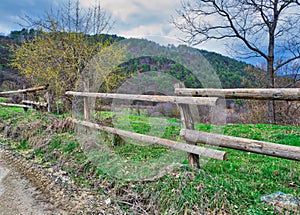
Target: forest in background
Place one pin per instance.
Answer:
(231, 72)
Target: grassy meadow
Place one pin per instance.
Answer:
(233, 186)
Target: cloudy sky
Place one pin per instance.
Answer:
(133, 18)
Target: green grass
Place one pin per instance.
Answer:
(234, 185)
(8, 112)
(23, 145)
(237, 183)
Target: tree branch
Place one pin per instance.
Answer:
(286, 62)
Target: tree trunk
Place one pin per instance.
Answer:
(270, 73)
(271, 112)
(271, 84)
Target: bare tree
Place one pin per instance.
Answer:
(72, 18)
(258, 28)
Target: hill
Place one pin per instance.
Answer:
(196, 68)
(230, 71)
(8, 74)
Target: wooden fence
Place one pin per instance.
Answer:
(186, 97)
(27, 104)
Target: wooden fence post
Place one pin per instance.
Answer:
(86, 103)
(24, 97)
(48, 101)
(188, 123)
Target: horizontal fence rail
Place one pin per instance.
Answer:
(205, 152)
(255, 146)
(26, 104)
(287, 94)
(211, 101)
(29, 90)
(15, 105)
(41, 104)
(186, 97)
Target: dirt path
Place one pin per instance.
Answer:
(19, 196)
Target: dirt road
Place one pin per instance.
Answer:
(19, 196)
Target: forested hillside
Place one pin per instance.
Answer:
(7, 73)
(230, 71)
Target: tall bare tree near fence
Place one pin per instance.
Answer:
(266, 29)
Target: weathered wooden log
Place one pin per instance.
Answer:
(288, 94)
(47, 95)
(41, 104)
(15, 105)
(188, 123)
(259, 147)
(205, 152)
(86, 103)
(152, 98)
(34, 89)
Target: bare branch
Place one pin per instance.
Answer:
(286, 62)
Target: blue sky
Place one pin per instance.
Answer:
(133, 18)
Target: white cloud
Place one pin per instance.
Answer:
(119, 9)
(4, 29)
(142, 18)
(123, 9)
(161, 33)
(214, 46)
